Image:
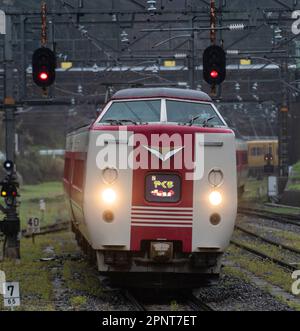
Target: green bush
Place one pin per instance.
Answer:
(35, 168)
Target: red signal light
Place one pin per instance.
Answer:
(43, 76)
(214, 74)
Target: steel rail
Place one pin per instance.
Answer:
(264, 256)
(268, 241)
(291, 219)
(133, 300)
(197, 304)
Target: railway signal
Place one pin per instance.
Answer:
(43, 67)
(9, 190)
(214, 65)
(8, 166)
(10, 225)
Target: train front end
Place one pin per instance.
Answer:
(160, 188)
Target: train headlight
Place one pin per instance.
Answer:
(215, 177)
(110, 175)
(109, 195)
(215, 198)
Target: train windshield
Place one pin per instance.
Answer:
(136, 111)
(198, 113)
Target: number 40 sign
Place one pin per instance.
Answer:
(11, 293)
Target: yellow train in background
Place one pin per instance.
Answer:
(262, 156)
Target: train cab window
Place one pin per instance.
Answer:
(185, 111)
(142, 111)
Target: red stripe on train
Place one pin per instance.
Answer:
(139, 233)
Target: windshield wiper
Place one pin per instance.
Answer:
(112, 122)
(191, 122)
(119, 122)
(205, 123)
(129, 121)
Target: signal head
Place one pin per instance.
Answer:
(43, 67)
(43, 76)
(214, 74)
(214, 65)
(8, 165)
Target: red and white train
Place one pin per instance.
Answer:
(152, 187)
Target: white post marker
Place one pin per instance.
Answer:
(42, 209)
(42, 205)
(33, 226)
(2, 22)
(272, 186)
(2, 281)
(11, 293)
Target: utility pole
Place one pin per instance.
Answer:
(213, 21)
(283, 138)
(191, 58)
(10, 226)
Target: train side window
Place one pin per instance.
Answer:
(256, 151)
(78, 174)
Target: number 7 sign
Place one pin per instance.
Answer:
(11, 293)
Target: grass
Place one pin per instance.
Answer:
(294, 181)
(296, 169)
(82, 277)
(33, 276)
(264, 269)
(235, 272)
(270, 250)
(255, 190)
(78, 301)
(282, 210)
(36, 277)
(47, 190)
(52, 194)
(288, 238)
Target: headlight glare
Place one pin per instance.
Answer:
(109, 195)
(215, 198)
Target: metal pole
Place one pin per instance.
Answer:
(9, 93)
(191, 59)
(23, 58)
(12, 249)
(283, 125)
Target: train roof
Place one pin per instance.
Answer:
(136, 93)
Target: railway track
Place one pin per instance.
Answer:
(263, 255)
(266, 240)
(290, 219)
(189, 300)
(197, 304)
(56, 227)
